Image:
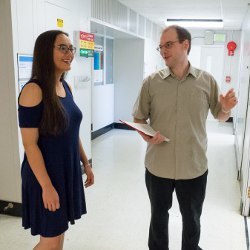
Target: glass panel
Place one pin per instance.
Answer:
(109, 61)
(98, 61)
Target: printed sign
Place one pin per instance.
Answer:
(24, 63)
(86, 44)
(59, 22)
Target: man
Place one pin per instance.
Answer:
(176, 100)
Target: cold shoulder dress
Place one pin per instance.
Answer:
(62, 161)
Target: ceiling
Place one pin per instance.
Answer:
(231, 11)
(100, 29)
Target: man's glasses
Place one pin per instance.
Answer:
(167, 45)
(65, 49)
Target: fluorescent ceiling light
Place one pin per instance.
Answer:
(196, 23)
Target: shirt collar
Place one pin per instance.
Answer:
(193, 71)
(164, 73)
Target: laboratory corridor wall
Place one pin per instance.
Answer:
(9, 144)
(242, 126)
(22, 22)
(128, 75)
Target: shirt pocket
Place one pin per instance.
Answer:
(198, 101)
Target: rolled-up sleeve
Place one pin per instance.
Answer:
(141, 109)
(215, 105)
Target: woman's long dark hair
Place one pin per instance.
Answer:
(54, 119)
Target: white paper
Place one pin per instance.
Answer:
(145, 128)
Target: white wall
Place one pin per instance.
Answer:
(152, 58)
(243, 90)
(102, 105)
(128, 66)
(29, 18)
(195, 56)
(134, 59)
(242, 132)
(231, 63)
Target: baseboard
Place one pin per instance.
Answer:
(11, 208)
(101, 131)
(246, 231)
(230, 119)
(118, 125)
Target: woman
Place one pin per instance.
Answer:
(52, 188)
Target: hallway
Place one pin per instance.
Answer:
(118, 206)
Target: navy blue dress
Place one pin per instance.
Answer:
(62, 160)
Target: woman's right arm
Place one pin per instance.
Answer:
(31, 96)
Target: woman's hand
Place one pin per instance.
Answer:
(50, 198)
(90, 176)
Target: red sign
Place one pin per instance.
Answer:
(86, 36)
(228, 79)
(86, 40)
(231, 46)
(86, 44)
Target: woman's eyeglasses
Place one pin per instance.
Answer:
(65, 49)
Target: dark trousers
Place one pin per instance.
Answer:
(190, 195)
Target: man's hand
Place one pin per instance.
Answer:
(228, 101)
(156, 139)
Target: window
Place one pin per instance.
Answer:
(109, 61)
(98, 61)
(103, 60)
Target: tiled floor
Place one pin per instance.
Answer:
(118, 206)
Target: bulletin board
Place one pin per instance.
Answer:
(24, 64)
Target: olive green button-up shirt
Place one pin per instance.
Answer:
(178, 109)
